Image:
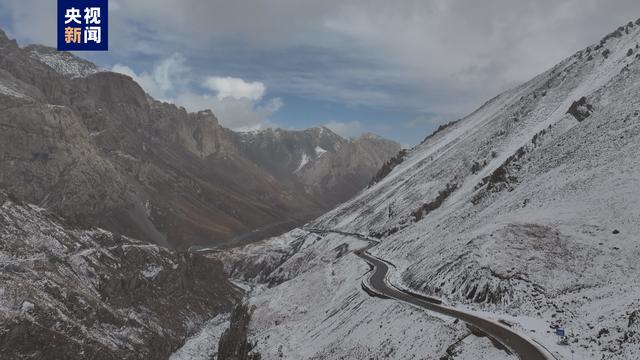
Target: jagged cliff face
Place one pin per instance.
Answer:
(93, 147)
(76, 294)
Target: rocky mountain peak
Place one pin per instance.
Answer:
(205, 116)
(102, 152)
(5, 42)
(3, 36)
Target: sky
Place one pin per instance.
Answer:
(395, 68)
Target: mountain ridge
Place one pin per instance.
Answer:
(101, 152)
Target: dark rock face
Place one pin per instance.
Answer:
(389, 166)
(70, 294)
(634, 320)
(92, 147)
(233, 344)
(427, 208)
(440, 128)
(580, 109)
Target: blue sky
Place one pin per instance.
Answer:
(398, 69)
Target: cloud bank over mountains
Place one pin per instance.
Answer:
(238, 104)
(403, 60)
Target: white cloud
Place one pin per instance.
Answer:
(237, 114)
(123, 69)
(425, 56)
(274, 105)
(166, 78)
(170, 72)
(230, 87)
(40, 15)
(346, 129)
(238, 104)
(441, 54)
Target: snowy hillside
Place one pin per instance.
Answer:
(527, 209)
(71, 294)
(309, 305)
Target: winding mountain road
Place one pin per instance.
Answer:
(524, 348)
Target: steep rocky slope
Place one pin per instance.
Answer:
(526, 210)
(78, 294)
(91, 146)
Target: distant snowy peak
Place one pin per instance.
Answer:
(323, 131)
(63, 62)
(313, 132)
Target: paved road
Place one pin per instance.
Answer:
(522, 347)
(525, 349)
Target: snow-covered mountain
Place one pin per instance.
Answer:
(527, 209)
(92, 146)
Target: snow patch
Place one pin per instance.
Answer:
(303, 161)
(204, 344)
(320, 151)
(26, 306)
(64, 63)
(151, 271)
(10, 91)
